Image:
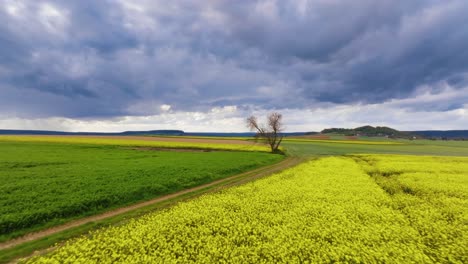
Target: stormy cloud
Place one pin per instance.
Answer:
(112, 59)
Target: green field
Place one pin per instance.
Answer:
(354, 209)
(353, 142)
(44, 184)
(416, 147)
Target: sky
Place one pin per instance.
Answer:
(119, 65)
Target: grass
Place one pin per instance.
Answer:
(45, 184)
(333, 209)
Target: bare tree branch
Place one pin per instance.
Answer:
(270, 133)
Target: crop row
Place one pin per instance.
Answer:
(328, 210)
(432, 193)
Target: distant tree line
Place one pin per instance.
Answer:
(370, 131)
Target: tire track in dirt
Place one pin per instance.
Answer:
(223, 183)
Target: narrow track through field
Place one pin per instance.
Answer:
(213, 186)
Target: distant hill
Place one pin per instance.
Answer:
(126, 133)
(363, 131)
(369, 131)
(136, 133)
(155, 132)
(443, 134)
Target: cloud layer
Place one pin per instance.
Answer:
(112, 60)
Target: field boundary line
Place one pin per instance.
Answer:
(217, 185)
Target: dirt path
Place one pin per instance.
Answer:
(223, 183)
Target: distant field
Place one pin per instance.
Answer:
(162, 142)
(205, 137)
(416, 147)
(355, 209)
(344, 141)
(44, 183)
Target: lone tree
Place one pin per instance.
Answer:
(271, 133)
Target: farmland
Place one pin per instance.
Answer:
(45, 183)
(313, 148)
(358, 142)
(353, 201)
(155, 142)
(355, 208)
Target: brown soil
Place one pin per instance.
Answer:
(223, 183)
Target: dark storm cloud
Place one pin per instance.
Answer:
(113, 58)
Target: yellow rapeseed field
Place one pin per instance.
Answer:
(356, 209)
